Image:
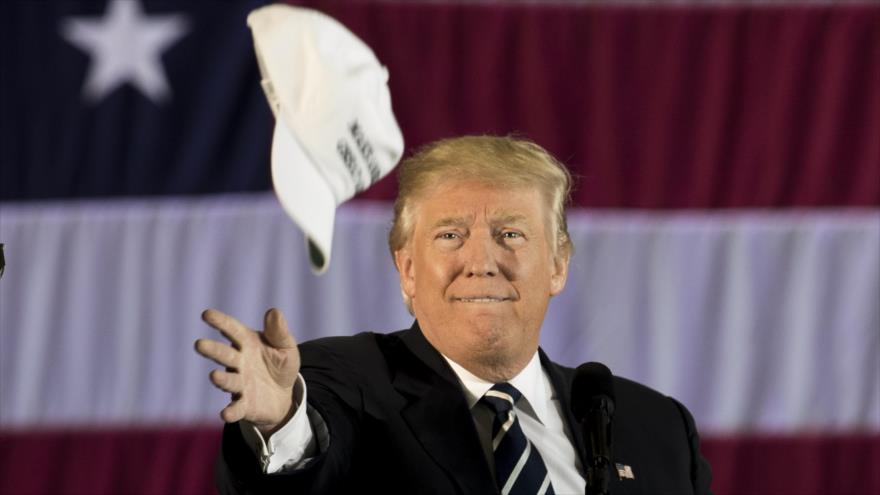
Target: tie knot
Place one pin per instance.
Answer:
(501, 397)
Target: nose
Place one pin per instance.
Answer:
(480, 257)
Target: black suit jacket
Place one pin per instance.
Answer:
(399, 423)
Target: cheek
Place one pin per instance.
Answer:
(535, 276)
(525, 265)
(434, 272)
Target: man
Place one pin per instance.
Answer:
(481, 245)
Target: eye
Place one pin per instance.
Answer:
(448, 240)
(511, 238)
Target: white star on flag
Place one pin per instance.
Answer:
(125, 46)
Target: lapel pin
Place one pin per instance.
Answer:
(624, 471)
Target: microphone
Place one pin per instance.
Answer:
(592, 402)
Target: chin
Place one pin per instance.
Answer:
(494, 343)
(494, 365)
(490, 330)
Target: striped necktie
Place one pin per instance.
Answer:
(519, 468)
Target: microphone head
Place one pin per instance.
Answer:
(591, 381)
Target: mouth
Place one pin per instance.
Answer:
(482, 299)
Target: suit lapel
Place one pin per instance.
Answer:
(437, 413)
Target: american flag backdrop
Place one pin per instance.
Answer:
(726, 218)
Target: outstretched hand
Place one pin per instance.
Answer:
(261, 368)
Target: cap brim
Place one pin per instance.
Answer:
(304, 194)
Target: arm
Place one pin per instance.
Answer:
(239, 471)
(294, 443)
(261, 370)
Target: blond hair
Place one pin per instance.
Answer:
(503, 161)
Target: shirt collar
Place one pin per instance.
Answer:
(531, 383)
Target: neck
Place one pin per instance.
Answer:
(493, 371)
(494, 362)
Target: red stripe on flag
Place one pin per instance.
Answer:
(161, 461)
(653, 106)
(815, 464)
(123, 461)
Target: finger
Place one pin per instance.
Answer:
(234, 411)
(226, 381)
(218, 352)
(275, 330)
(231, 328)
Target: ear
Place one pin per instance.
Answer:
(559, 275)
(406, 270)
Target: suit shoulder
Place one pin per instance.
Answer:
(362, 351)
(349, 344)
(624, 388)
(642, 412)
(636, 403)
(630, 388)
(637, 396)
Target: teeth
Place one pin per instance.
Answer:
(480, 299)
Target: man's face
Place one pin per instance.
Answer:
(480, 270)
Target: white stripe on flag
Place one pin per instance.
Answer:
(100, 304)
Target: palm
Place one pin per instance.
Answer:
(261, 368)
(281, 365)
(269, 384)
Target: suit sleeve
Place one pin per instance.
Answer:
(701, 473)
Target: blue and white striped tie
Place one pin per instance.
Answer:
(519, 468)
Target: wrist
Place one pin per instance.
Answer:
(267, 429)
(289, 401)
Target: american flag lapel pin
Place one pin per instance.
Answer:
(624, 471)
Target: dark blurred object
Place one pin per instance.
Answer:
(2, 261)
(592, 402)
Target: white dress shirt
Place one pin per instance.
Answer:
(540, 415)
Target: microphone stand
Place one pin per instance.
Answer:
(592, 392)
(598, 430)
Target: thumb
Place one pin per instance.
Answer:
(275, 330)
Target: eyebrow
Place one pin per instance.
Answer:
(504, 219)
(453, 222)
(511, 218)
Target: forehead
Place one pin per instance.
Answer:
(462, 199)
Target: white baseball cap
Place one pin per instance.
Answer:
(335, 133)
